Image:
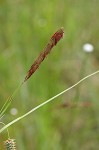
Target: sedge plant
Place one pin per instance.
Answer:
(52, 42)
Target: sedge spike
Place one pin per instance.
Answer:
(10, 144)
(52, 42)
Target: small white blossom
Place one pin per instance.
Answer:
(88, 47)
(13, 111)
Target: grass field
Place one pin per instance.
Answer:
(25, 29)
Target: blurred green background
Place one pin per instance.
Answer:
(25, 28)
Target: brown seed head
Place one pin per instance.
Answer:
(52, 42)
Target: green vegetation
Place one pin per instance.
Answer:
(25, 28)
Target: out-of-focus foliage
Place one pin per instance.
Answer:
(25, 28)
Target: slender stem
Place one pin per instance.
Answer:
(8, 101)
(7, 130)
(49, 100)
(82, 71)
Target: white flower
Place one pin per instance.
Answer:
(13, 111)
(88, 47)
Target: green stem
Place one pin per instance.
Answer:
(8, 101)
(49, 100)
